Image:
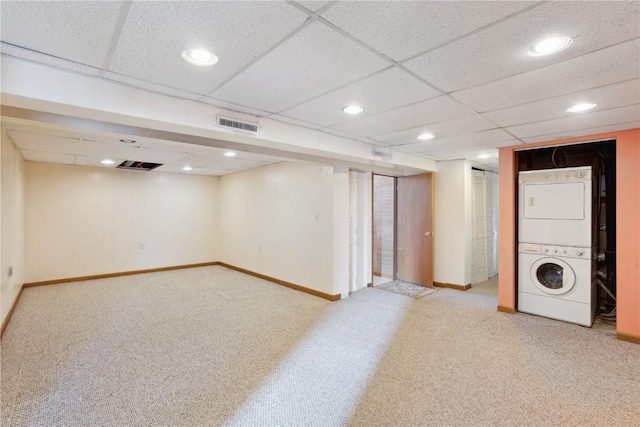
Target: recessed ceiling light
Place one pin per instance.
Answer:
(353, 109)
(580, 107)
(107, 162)
(230, 154)
(200, 57)
(483, 156)
(187, 168)
(549, 46)
(426, 136)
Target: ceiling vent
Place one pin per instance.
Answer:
(238, 125)
(382, 153)
(138, 166)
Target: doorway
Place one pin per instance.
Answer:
(402, 229)
(384, 229)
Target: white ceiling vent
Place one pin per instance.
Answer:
(238, 125)
(382, 153)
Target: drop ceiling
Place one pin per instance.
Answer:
(458, 70)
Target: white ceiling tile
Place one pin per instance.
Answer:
(155, 155)
(41, 129)
(606, 97)
(578, 121)
(292, 121)
(234, 164)
(384, 91)
(582, 132)
(489, 139)
(313, 6)
(314, 61)
(234, 107)
(77, 31)
(51, 144)
(259, 157)
(103, 150)
(348, 135)
(464, 125)
(214, 172)
(167, 146)
(607, 66)
(401, 29)
(150, 87)
(53, 61)
(421, 114)
(156, 33)
(96, 161)
(43, 156)
(176, 169)
(501, 50)
(200, 160)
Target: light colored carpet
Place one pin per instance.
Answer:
(210, 346)
(405, 288)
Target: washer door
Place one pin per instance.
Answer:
(552, 276)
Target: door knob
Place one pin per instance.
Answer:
(428, 233)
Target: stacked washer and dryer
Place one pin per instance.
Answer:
(556, 262)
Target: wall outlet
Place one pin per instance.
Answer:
(10, 271)
(140, 245)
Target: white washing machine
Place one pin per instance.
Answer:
(557, 282)
(555, 207)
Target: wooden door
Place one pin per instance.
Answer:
(414, 235)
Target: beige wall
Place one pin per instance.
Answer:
(277, 220)
(90, 220)
(452, 223)
(12, 223)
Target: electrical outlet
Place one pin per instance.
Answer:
(10, 271)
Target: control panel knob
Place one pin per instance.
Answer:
(545, 250)
(564, 251)
(546, 177)
(555, 251)
(579, 174)
(579, 253)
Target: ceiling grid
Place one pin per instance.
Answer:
(458, 70)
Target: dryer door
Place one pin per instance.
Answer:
(552, 276)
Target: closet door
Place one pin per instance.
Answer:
(478, 226)
(491, 221)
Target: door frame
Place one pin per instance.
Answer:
(395, 223)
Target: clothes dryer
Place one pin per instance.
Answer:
(556, 207)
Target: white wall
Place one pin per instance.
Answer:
(340, 227)
(278, 221)
(452, 222)
(87, 220)
(12, 223)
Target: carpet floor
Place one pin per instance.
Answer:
(213, 347)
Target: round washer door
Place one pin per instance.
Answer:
(552, 276)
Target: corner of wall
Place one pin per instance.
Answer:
(12, 213)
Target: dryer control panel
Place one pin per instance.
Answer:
(555, 251)
(577, 174)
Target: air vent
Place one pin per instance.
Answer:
(235, 124)
(138, 166)
(382, 153)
